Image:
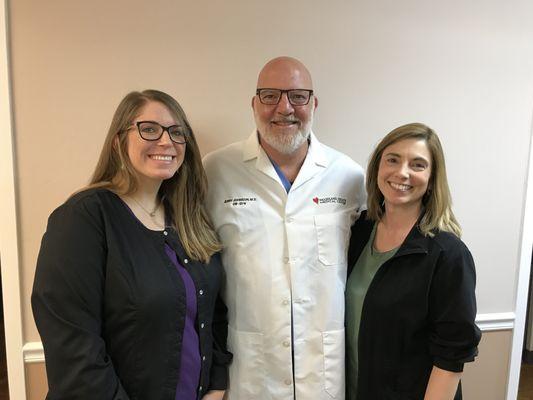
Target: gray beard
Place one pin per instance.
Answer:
(286, 144)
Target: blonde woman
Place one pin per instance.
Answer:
(410, 301)
(126, 291)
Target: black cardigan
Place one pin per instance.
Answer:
(419, 311)
(110, 305)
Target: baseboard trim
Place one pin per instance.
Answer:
(33, 351)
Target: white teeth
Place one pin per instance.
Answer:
(162, 158)
(399, 186)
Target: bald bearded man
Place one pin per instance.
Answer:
(282, 204)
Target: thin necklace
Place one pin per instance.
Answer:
(150, 213)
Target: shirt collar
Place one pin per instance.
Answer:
(315, 153)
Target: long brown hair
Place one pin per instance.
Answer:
(437, 201)
(183, 194)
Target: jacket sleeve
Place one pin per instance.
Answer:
(67, 303)
(359, 234)
(218, 379)
(454, 335)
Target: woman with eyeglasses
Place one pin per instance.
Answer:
(410, 301)
(126, 291)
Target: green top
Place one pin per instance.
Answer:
(362, 275)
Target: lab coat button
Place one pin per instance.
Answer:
(286, 260)
(288, 381)
(285, 302)
(286, 343)
(290, 219)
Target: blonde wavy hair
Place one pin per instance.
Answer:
(437, 201)
(183, 194)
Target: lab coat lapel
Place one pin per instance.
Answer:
(253, 150)
(314, 163)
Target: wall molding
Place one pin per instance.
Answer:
(33, 352)
(490, 322)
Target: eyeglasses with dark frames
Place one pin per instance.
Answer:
(271, 97)
(152, 131)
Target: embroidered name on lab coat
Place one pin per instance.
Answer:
(240, 201)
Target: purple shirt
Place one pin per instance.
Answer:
(190, 362)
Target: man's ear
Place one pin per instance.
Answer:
(316, 102)
(253, 102)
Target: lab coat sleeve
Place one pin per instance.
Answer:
(361, 193)
(67, 302)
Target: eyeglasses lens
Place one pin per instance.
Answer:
(177, 134)
(269, 96)
(150, 131)
(298, 97)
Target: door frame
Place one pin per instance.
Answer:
(9, 253)
(522, 283)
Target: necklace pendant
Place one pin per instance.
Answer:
(150, 213)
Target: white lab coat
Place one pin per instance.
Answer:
(284, 250)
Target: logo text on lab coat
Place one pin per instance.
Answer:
(326, 200)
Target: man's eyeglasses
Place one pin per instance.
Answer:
(152, 131)
(297, 97)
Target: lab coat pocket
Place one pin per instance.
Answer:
(332, 237)
(246, 370)
(333, 350)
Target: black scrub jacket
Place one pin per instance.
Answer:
(110, 305)
(419, 312)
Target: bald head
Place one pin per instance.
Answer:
(286, 73)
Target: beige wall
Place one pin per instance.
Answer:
(36, 384)
(464, 69)
(375, 64)
(486, 378)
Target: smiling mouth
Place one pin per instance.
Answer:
(284, 122)
(161, 158)
(399, 186)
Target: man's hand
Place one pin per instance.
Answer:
(214, 395)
